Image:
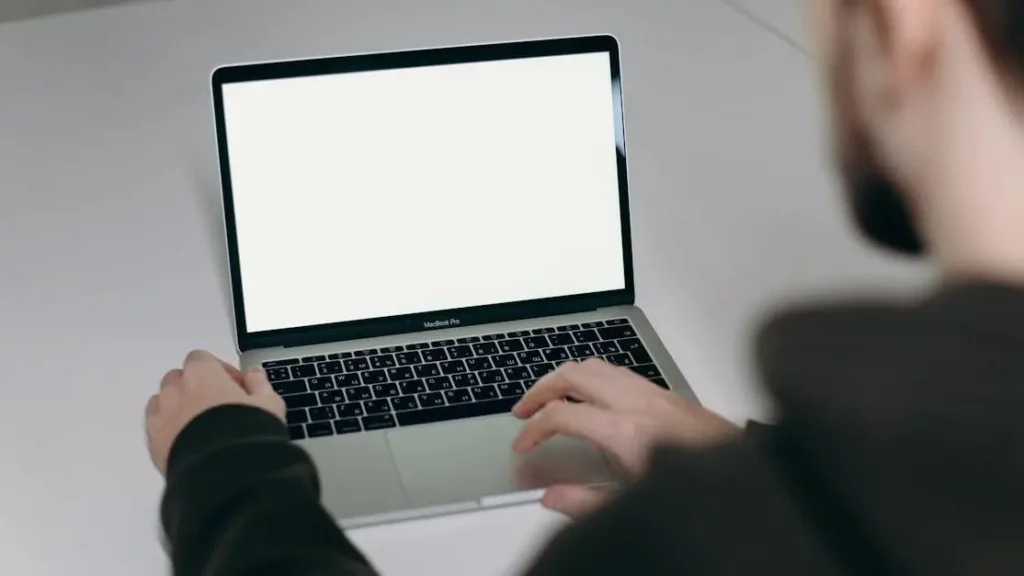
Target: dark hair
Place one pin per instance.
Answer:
(1000, 25)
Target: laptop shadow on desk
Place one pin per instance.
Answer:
(207, 193)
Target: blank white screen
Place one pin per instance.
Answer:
(383, 193)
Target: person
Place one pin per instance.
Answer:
(900, 443)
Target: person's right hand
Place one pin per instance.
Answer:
(620, 412)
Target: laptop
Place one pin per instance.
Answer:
(414, 239)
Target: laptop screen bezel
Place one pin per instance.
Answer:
(419, 322)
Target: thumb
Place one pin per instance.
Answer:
(255, 382)
(574, 501)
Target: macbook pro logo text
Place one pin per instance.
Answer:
(442, 323)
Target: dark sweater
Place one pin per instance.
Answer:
(900, 450)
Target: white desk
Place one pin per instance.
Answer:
(111, 255)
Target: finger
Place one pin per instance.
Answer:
(574, 501)
(585, 421)
(153, 406)
(172, 377)
(197, 356)
(255, 382)
(592, 381)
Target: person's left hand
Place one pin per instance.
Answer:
(204, 382)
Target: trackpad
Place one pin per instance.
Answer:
(468, 460)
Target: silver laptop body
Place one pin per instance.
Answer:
(414, 238)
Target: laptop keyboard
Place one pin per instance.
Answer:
(441, 380)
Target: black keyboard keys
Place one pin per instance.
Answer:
(469, 340)
(491, 377)
(620, 359)
(279, 363)
(434, 355)
(301, 400)
(484, 393)
(404, 403)
(313, 359)
(289, 387)
(418, 346)
(556, 355)
(359, 394)
(347, 380)
(504, 361)
(606, 348)
(536, 342)
(581, 351)
(378, 422)
(465, 380)
(586, 336)
(478, 364)
(278, 374)
(356, 364)
(617, 322)
(453, 367)
(530, 357)
(591, 325)
(427, 370)
(303, 371)
(319, 429)
(383, 361)
(321, 413)
(330, 368)
(493, 337)
(540, 370)
(460, 352)
(409, 358)
(647, 371)
(636, 348)
(385, 390)
(391, 349)
(544, 331)
(507, 346)
(439, 383)
(616, 332)
(459, 396)
(332, 397)
(517, 373)
(377, 406)
(320, 383)
(347, 426)
(401, 373)
(431, 399)
(561, 339)
(350, 410)
(442, 343)
(297, 416)
(374, 377)
(510, 389)
(485, 349)
(366, 353)
(412, 387)
(569, 328)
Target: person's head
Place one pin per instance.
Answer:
(926, 98)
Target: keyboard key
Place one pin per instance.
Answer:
(339, 356)
(660, 382)
(519, 334)
(647, 371)
(298, 416)
(569, 328)
(431, 400)
(300, 401)
(484, 393)
(404, 403)
(507, 346)
(366, 353)
(617, 322)
(620, 359)
(347, 380)
(556, 354)
(630, 344)
(391, 349)
(445, 413)
(303, 371)
(591, 325)
(331, 397)
(511, 390)
(530, 357)
(581, 351)
(409, 358)
(465, 380)
(419, 346)
(289, 387)
(385, 390)
(540, 370)
(329, 368)
(434, 355)
(637, 350)
(460, 352)
(485, 349)
(356, 364)
(536, 342)
(350, 410)
(278, 374)
(586, 336)
(427, 370)
(359, 394)
(412, 387)
(478, 364)
(438, 383)
(313, 359)
(320, 383)
(296, 432)
(380, 422)
(374, 377)
(377, 407)
(383, 361)
(492, 337)
(616, 332)
(561, 340)
(517, 373)
(321, 413)
(442, 343)
(457, 396)
(319, 429)
(401, 373)
(491, 377)
(540, 331)
(504, 361)
(279, 363)
(347, 426)
(606, 348)
(469, 340)
(453, 367)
